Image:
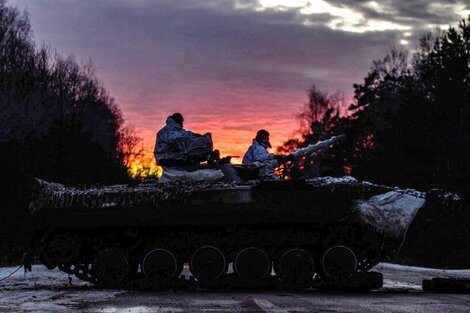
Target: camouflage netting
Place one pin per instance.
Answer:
(351, 181)
(391, 211)
(54, 196)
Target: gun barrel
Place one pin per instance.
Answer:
(311, 149)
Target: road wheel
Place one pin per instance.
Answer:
(252, 263)
(208, 263)
(111, 266)
(339, 262)
(160, 265)
(296, 267)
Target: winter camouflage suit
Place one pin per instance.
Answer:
(166, 147)
(258, 157)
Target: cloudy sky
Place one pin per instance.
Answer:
(230, 66)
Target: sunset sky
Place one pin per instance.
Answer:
(230, 67)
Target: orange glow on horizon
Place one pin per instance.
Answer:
(232, 116)
(143, 166)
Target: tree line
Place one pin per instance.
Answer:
(409, 123)
(57, 122)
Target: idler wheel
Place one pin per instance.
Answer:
(111, 266)
(160, 265)
(339, 262)
(296, 267)
(252, 263)
(208, 263)
(60, 248)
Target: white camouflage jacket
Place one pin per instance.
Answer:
(258, 157)
(166, 147)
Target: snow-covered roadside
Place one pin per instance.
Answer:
(396, 277)
(39, 277)
(410, 278)
(42, 278)
(45, 290)
(463, 273)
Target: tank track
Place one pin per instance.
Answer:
(358, 281)
(300, 266)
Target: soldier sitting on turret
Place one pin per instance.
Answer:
(180, 152)
(168, 150)
(259, 158)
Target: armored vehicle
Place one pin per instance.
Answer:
(292, 232)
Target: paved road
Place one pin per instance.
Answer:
(50, 291)
(282, 302)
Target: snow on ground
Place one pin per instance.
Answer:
(410, 278)
(54, 291)
(396, 277)
(39, 277)
(45, 290)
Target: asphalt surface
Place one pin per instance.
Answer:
(282, 302)
(52, 291)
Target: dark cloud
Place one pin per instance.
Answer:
(226, 64)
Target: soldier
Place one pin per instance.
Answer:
(258, 156)
(167, 152)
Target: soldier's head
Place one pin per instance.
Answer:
(262, 137)
(178, 118)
